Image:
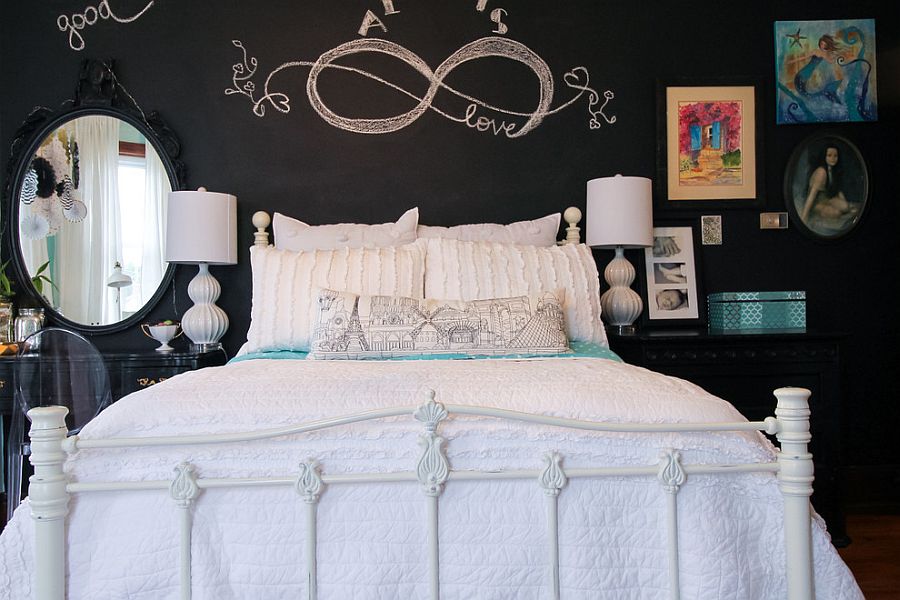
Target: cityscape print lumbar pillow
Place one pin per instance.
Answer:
(350, 326)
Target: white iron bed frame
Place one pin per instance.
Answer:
(50, 489)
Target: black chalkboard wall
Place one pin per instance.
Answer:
(177, 58)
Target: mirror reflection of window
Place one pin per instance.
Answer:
(132, 172)
(122, 187)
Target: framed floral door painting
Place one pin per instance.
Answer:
(826, 186)
(709, 148)
(825, 71)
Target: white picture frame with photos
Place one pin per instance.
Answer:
(671, 276)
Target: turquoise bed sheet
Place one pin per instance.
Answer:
(579, 350)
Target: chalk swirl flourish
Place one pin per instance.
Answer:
(577, 79)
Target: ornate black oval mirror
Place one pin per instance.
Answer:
(87, 192)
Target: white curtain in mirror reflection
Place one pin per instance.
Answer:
(92, 205)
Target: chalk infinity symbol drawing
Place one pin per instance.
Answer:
(576, 79)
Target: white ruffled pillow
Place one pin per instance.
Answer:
(459, 270)
(292, 234)
(283, 284)
(539, 232)
(350, 326)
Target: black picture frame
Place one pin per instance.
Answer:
(838, 208)
(654, 281)
(750, 194)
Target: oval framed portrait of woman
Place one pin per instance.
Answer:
(826, 186)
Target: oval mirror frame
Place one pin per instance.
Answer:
(98, 93)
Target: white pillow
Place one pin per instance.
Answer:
(350, 326)
(283, 285)
(539, 232)
(291, 234)
(477, 270)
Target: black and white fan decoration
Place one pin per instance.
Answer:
(50, 190)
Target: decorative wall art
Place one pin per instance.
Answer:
(709, 146)
(711, 230)
(825, 71)
(672, 280)
(72, 25)
(50, 193)
(438, 98)
(826, 186)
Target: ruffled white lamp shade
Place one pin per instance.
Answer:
(201, 229)
(620, 215)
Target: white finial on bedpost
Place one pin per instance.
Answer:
(49, 499)
(795, 477)
(572, 216)
(261, 220)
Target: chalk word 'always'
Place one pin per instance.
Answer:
(78, 21)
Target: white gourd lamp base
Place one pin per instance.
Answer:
(620, 305)
(204, 323)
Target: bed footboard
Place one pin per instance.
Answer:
(49, 490)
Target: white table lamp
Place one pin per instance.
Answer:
(620, 215)
(201, 229)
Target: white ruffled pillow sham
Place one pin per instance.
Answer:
(458, 270)
(283, 283)
(539, 232)
(353, 326)
(293, 234)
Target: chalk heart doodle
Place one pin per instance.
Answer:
(512, 124)
(75, 24)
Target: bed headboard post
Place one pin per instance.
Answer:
(261, 220)
(572, 216)
(49, 499)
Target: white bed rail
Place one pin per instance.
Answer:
(49, 490)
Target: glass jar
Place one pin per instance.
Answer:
(28, 321)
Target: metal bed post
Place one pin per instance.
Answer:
(184, 490)
(309, 485)
(432, 471)
(553, 480)
(49, 500)
(795, 477)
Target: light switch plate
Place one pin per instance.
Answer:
(773, 220)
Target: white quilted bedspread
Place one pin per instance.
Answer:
(249, 544)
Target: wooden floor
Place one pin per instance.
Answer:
(874, 554)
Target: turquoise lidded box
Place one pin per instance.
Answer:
(733, 311)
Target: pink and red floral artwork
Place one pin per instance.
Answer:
(709, 143)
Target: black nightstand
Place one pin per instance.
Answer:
(128, 371)
(744, 368)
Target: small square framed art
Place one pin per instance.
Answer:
(672, 278)
(709, 147)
